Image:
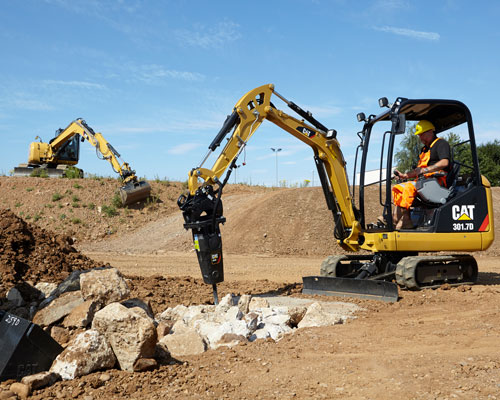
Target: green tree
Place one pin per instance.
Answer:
(489, 161)
(406, 158)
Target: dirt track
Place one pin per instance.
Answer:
(430, 345)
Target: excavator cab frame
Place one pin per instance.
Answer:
(69, 153)
(445, 115)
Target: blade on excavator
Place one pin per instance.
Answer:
(350, 287)
(134, 192)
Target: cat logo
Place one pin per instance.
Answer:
(215, 258)
(305, 131)
(462, 213)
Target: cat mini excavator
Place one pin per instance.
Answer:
(458, 218)
(63, 151)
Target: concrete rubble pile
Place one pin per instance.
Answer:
(91, 315)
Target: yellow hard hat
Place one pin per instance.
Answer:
(424, 126)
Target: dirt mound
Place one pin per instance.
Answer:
(30, 253)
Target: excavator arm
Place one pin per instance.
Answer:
(202, 207)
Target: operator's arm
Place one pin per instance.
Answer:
(414, 173)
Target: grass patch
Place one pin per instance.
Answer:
(109, 211)
(57, 196)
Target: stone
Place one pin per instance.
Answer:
(252, 320)
(88, 352)
(105, 377)
(277, 316)
(145, 364)
(296, 315)
(162, 354)
(184, 344)
(171, 315)
(60, 335)
(234, 313)
(131, 303)
(104, 286)
(212, 332)
(20, 389)
(272, 331)
(129, 331)
(244, 303)
(225, 304)
(40, 380)
(316, 315)
(15, 297)
(231, 339)
(7, 395)
(258, 303)
(82, 315)
(46, 288)
(162, 329)
(58, 308)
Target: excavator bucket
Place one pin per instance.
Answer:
(134, 192)
(349, 287)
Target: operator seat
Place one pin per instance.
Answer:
(432, 194)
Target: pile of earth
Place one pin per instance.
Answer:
(30, 253)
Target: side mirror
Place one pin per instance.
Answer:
(361, 117)
(399, 124)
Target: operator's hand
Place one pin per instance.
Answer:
(399, 175)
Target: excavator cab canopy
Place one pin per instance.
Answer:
(444, 114)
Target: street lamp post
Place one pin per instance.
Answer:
(276, 151)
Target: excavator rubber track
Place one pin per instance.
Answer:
(430, 272)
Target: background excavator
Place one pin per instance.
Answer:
(63, 151)
(458, 218)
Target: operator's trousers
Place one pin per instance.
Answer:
(404, 193)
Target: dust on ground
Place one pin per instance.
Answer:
(433, 344)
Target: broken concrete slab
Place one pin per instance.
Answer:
(104, 286)
(186, 343)
(58, 308)
(88, 352)
(130, 332)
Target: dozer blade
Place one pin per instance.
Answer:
(350, 287)
(134, 192)
(43, 172)
(22, 171)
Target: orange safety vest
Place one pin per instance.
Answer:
(404, 193)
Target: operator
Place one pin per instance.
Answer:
(434, 158)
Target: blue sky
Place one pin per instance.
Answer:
(158, 78)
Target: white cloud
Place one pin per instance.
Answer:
(153, 72)
(215, 37)
(78, 84)
(409, 32)
(183, 148)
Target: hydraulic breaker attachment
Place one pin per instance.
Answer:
(203, 215)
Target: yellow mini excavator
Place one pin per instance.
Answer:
(63, 151)
(451, 219)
